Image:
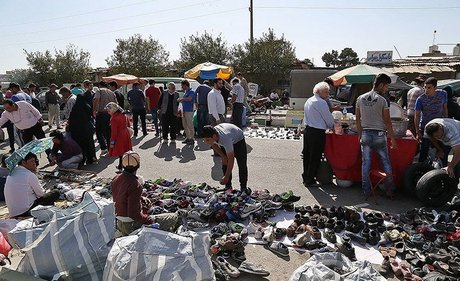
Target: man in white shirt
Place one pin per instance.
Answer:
(237, 103)
(25, 117)
(70, 100)
(23, 190)
(216, 104)
(317, 119)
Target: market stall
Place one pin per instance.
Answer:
(343, 153)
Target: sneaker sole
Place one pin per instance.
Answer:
(279, 253)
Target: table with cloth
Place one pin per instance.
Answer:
(343, 152)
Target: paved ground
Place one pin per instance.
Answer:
(273, 164)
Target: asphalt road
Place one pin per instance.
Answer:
(275, 165)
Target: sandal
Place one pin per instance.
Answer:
(388, 252)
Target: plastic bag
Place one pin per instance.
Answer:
(180, 110)
(5, 247)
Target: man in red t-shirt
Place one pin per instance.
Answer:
(153, 96)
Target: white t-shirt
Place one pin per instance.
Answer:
(22, 188)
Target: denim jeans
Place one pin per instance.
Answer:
(375, 140)
(154, 112)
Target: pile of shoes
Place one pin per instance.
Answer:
(201, 207)
(274, 133)
(426, 241)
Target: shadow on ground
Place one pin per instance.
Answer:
(167, 150)
(333, 195)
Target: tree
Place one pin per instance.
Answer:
(271, 59)
(71, 65)
(197, 49)
(139, 57)
(66, 66)
(22, 76)
(308, 62)
(331, 59)
(348, 57)
(41, 65)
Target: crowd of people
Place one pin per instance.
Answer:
(429, 122)
(100, 111)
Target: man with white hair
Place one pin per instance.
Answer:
(317, 119)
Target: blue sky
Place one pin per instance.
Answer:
(314, 27)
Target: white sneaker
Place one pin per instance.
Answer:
(269, 235)
(302, 239)
(104, 151)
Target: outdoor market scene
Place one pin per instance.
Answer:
(138, 149)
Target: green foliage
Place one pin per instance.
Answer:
(138, 56)
(198, 49)
(71, 65)
(66, 66)
(331, 59)
(22, 76)
(271, 59)
(347, 58)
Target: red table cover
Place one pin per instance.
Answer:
(343, 152)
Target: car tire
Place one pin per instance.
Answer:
(412, 174)
(436, 188)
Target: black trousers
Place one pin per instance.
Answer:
(241, 156)
(237, 114)
(425, 147)
(136, 114)
(169, 126)
(47, 199)
(103, 129)
(34, 131)
(313, 147)
(10, 130)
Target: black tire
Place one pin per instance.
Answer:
(412, 174)
(436, 188)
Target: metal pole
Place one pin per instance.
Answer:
(251, 11)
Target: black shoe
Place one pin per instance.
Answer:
(348, 250)
(329, 234)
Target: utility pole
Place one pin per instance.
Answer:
(251, 12)
(251, 32)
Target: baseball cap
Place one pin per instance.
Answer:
(54, 85)
(130, 159)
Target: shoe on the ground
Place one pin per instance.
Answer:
(235, 227)
(195, 215)
(249, 209)
(279, 248)
(196, 224)
(238, 256)
(228, 268)
(253, 269)
(289, 197)
(348, 250)
(329, 234)
(270, 205)
(185, 141)
(385, 267)
(104, 151)
(173, 141)
(302, 239)
(269, 234)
